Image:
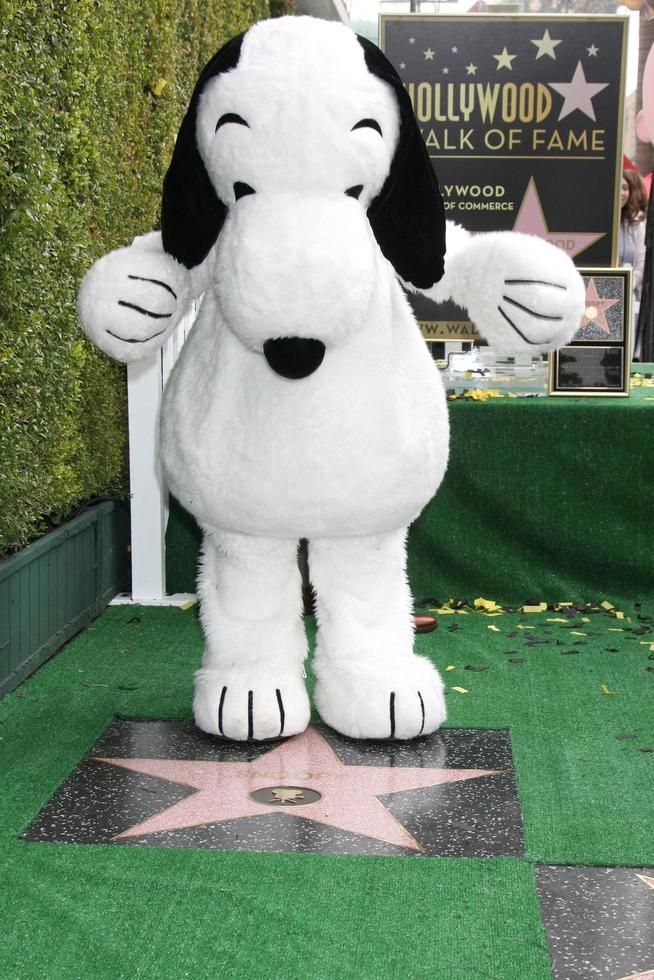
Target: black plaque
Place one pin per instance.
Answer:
(522, 117)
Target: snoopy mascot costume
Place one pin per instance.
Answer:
(300, 203)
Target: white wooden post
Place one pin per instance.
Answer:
(148, 491)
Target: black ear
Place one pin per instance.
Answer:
(191, 213)
(407, 216)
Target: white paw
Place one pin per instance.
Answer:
(240, 705)
(132, 299)
(523, 293)
(400, 700)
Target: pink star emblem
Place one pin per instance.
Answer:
(595, 310)
(578, 93)
(531, 221)
(348, 795)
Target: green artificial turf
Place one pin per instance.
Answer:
(114, 911)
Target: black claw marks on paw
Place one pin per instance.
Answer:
(250, 735)
(282, 714)
(250, 715)
(220, 711)
(391, 709)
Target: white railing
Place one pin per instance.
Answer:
(148, 490)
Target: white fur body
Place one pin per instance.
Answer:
(358, 447)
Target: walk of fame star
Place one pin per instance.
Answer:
(531, 221)
(348, 795)
(595, 309)
(150, 783)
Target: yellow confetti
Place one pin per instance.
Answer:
(615, 629)
(460, 690)
(605, 690)
(562, 605)
(538, 608)
(451, 667)
(618, 614)
(489, 605)
(494, 628)
(443, 611)
(577, 633)
(159, 86)
(521, 627)
(585, 619)
(491, 615)
(607, 605)
(188, 604)
(557, 620)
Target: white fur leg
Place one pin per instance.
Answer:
(370, 684)
(400, 700)
(251, 683)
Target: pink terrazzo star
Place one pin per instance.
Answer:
(595, 309)
(531, 221)
(350, 794)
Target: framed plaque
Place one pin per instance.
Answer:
(597, 360)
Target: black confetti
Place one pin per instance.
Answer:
(650, 670)
(517, 660)
(645, 748)
(623, 738)
(569, 653)
(480, 668)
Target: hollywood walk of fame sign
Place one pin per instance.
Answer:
(597, 360)
(165, 784)
(522, 118)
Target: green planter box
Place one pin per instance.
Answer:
(56, 586)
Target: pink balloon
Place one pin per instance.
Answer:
(645, 119)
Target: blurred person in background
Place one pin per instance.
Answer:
(631, 235)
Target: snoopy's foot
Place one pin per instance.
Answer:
(250, 704)
(400, 700)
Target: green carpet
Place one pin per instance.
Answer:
(586, 792)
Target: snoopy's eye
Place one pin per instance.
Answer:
(368, 124)
(231, 117)
(354, 191)
(242, 190)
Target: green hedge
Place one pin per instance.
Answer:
(84, 144)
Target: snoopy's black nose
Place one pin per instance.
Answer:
(294, 357)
